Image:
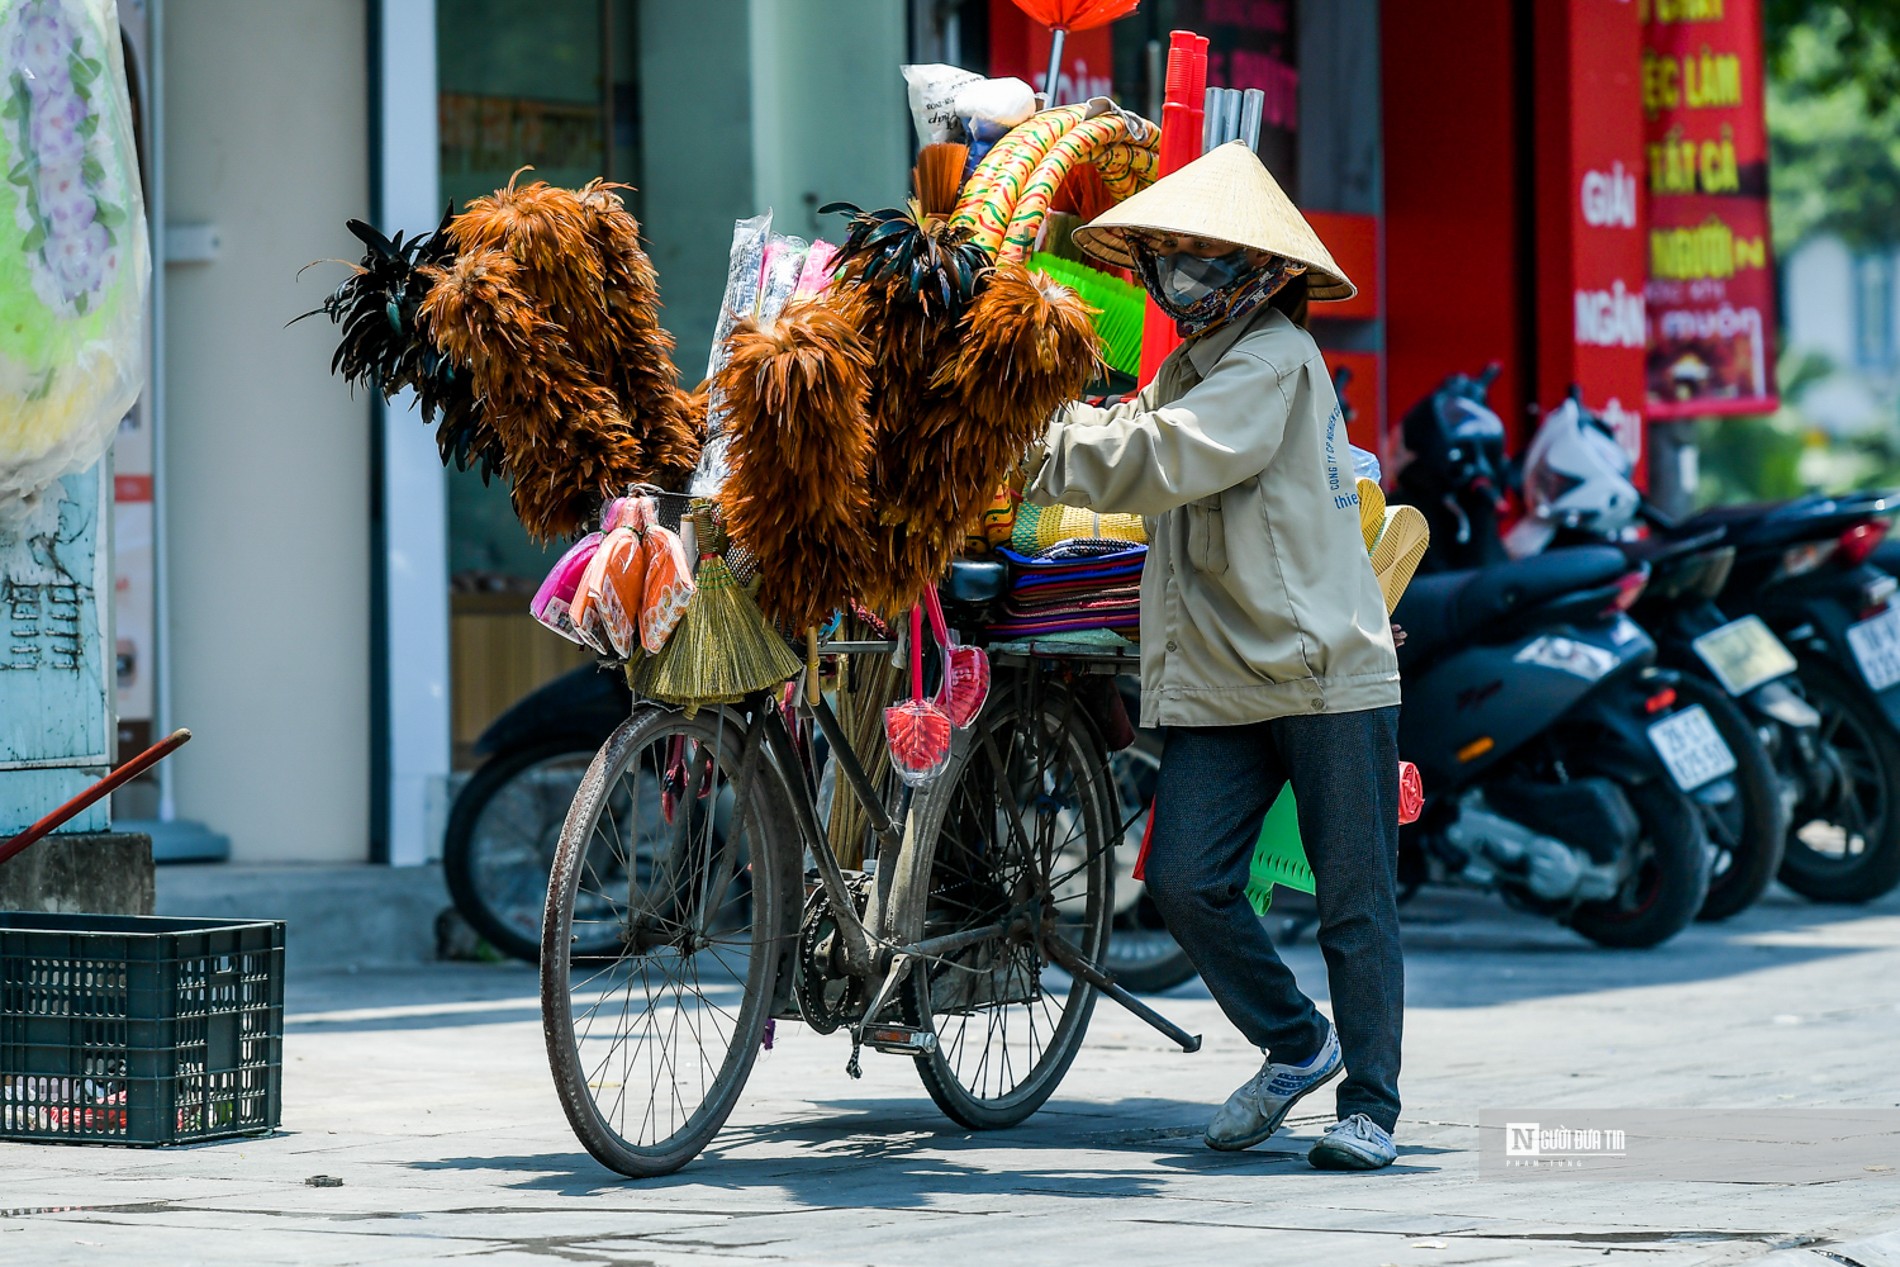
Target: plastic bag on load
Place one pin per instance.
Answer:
(1007, 101)
(784, 265)
(554, 601)
(74, 265)
(1365, 464)
(745, 270)
(933, 100)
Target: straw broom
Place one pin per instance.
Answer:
(723, 649)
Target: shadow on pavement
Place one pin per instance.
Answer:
(919, 1156)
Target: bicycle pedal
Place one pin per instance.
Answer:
(900, 1040)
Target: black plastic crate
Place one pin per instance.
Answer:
(120, 1029)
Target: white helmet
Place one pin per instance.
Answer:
(1577, 475)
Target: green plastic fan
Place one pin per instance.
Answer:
(1278, 858)
(1121, 307)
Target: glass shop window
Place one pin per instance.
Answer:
(552, 85)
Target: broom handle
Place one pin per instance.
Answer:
(124, 774)
(917, 652)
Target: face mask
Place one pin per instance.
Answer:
(1185, 280)
(1201, 293)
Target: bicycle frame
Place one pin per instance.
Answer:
(881, 945)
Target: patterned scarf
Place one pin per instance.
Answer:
(1220, 305)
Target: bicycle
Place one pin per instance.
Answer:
(690, 833)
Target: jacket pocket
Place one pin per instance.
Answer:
(1207, 536)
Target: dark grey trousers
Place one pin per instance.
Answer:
(1215, 787)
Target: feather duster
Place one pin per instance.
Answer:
(568, 446)
(641, 370)
(906, 277)
(1028, 346)
(384, 350)
(545, 231)
(798, 497)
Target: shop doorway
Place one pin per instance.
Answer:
(554, 86)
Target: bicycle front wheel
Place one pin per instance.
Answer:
(1024, 835)
(668, 859)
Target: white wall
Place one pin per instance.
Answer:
(266, 127)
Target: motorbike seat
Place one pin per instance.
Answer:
(975, 581)
(1451, 607)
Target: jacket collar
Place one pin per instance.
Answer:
(1205, 352)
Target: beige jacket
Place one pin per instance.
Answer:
(1257, 600)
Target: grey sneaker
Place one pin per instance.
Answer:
(1256, 1110)
(1355, 1143)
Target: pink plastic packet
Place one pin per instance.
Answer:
(554, 601)
(816, 273)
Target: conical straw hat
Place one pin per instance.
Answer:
(1226, 193)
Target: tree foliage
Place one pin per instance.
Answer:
(1865, 34)
(1834, 120)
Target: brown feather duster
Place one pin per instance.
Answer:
(642, 372)
(797, 497)
(1025, 346)
(1028, 346)
(567, 445)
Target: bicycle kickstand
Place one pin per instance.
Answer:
(1072, 960)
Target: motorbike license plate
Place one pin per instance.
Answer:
(1691, 747)
(1876, 646)
(1744, 654)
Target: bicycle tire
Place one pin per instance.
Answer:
(972, 882)
(686, 865)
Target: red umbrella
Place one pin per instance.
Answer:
(1063, 16)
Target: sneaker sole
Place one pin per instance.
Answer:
(1266, 1132)
(1325, 1156)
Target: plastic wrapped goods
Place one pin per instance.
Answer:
(933, 100)
(74, 266)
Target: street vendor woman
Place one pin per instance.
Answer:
(1265, 648)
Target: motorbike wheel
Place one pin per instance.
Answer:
(1665, 890)
(1844, 840)
(1749, 831)
(502, 832)
(1142, 954)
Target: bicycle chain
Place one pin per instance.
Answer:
(827, 997)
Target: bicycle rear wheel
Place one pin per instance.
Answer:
(1023, 828)
(673, 851)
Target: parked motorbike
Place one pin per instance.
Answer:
(506, 820)
(1576, 477)
(1558, 762)
(1806, 569)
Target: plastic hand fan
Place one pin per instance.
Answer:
(554, 601)
(1411, 793)
(917, 730)
(919, 735)
(599, 613)
(667, 581)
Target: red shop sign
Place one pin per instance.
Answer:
(1591, 265)
(1711, 293)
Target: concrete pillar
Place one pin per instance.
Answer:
(267, 458)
